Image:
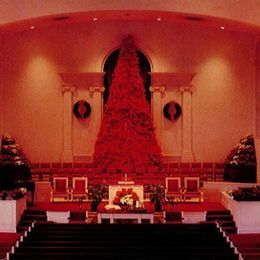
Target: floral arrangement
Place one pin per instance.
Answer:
(245, 194)
(98, 192)
(126, 197)
(13, 194)
(11, 153)
(243, 154)
(155, 192)
(126, 138)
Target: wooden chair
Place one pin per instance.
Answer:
(60, 189)
(79, 188)
(192, 189)
(173, 189)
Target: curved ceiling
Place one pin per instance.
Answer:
(239, 15)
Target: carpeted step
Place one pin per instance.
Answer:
(168, 241)
(230, 230)
(227, 223)
(219, 217)
(26, 217)
(34, 212)
(218, 212)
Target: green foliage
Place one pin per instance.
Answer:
(243, 154)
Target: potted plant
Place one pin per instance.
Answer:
(96, 193)
(156, 194)
(240, 164)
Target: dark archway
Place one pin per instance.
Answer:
(110, 65)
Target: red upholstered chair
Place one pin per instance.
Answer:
(192, 191)
(196, 169)
(173, 189)
(79, 188)
(219, 172)
(208, 171)
(60, 189)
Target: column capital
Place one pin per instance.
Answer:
(67, 88)
(97, 89)
(188, 88)
(160, 89)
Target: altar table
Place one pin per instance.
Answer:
(138, 189)
(114, 215)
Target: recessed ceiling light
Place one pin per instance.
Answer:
(60, 18)
(95, 19)
(158, 18)
(222, 27)
(194, 18)
(32, 27)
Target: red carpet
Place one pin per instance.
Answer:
(7, 240)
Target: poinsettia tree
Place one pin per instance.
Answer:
(126, 138)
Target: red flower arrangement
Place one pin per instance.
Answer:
(126, 137)
(126, 197)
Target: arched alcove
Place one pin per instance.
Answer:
(110, 64)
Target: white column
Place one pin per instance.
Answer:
(156, 107)
(187, 154)
(97, 111)
(67, 92)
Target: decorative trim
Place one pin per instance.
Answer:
(96, 89)
(83, 79)
(67, 88)
(82, 158)
(188, 88)
(171, 158)
(160, 89)
(171, 78)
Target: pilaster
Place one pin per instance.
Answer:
(187, 153)
(96, 92)
(156, 107)
(67, 93)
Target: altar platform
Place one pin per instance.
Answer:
(186, 207)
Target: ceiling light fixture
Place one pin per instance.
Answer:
(222, 27)
(95, 19)
(60, 18)
(32, 27)
(158, 18)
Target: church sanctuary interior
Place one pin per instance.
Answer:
(130, 129)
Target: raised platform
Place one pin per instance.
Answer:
(212, 190)
(11, 212)
(245, 213)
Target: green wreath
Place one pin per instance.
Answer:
(81, 109)
(172, 110)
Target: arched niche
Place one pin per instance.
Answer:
(109, 67)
